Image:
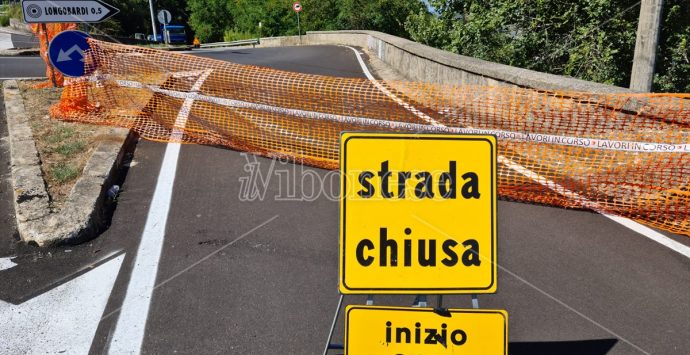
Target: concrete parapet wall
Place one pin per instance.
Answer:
(419, 62)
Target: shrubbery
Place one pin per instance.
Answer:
(587, 39)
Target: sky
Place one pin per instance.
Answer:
(429, 6)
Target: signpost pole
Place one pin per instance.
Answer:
(297, 7)
(299, 29)
(153, 21)
(44, 28)
(475, 302)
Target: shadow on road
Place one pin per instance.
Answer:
(590, 347)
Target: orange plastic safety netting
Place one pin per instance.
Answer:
(622, 154)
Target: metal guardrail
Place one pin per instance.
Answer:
(245, 42)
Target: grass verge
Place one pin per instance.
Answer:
(63, 147)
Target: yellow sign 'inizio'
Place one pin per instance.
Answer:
(418, 213)
(393, 330)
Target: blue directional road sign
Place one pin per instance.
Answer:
(66, 52)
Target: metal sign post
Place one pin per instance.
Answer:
(297, 7)
(49, 63)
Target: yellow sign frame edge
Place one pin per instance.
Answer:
(491, 289)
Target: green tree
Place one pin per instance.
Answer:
(673, 58)
(209, 18)
(387, 16)
(274, 16)
(319, 15)
(588, 39)
(131, 19)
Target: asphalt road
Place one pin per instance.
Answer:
(260, 277)
(16, 40)
(22, 67)
(24, 41)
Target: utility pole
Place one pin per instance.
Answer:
(153, 22)
(648, 29)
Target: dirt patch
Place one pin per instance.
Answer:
(63, 147)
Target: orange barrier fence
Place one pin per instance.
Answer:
(621, 154)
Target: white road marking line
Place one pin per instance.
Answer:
(62, 320)
(626, 222)
(6, 41)
(131, 324)
(651, 234)
(6, 263)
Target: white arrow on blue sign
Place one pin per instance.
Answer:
(66, 52)
(52, 11)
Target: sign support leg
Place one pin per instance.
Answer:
(335, 320)
(475, 302)
(44, 28)
(420, 301)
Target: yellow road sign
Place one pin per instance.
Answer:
(397, 330)
(417, 213)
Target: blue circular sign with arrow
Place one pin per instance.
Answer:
(66, 52)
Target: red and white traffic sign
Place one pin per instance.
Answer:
(297, 6)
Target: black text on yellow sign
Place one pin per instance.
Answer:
(418, 213)
(397, 330)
